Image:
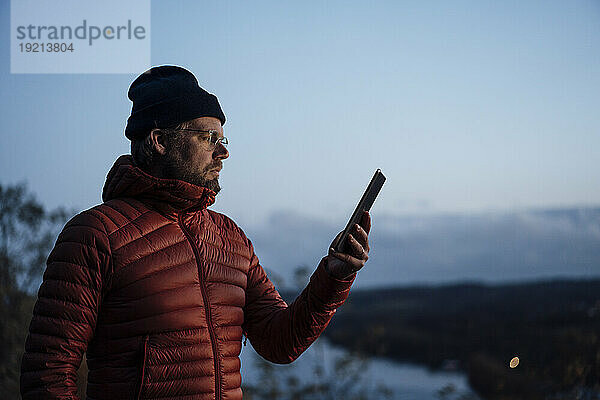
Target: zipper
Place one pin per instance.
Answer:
(211, 329)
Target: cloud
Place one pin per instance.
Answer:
(490, 247)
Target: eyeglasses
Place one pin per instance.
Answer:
(212, 138)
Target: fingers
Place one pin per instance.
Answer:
(357, 249)
(361, 232)
(356, 255)
(365, 221)
(362, 237)
(353, 263)
(357, 242)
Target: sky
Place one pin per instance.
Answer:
(470, 108)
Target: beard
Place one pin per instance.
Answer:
(176, 165)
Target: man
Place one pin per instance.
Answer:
(158, 290)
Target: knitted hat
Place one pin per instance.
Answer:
(166, 96)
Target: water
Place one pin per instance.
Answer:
(405, 381)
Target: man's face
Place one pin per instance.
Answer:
(191, 158)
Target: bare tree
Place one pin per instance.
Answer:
(27, 232)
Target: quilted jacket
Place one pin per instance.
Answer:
(158, 291)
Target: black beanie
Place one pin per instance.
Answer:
(165, 96)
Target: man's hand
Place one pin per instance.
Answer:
(343, 265)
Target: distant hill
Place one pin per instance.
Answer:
(489, 246)
(553, 327)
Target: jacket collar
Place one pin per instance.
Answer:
(169, 196)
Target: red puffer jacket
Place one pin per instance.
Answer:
(158, 291)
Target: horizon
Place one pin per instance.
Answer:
(496, 248)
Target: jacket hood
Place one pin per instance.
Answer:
(167, 195)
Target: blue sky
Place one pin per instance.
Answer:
(466, 106)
